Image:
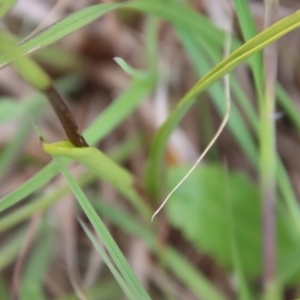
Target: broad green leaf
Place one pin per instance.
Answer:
(201, 204)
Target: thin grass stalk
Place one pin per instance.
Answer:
(268, 152)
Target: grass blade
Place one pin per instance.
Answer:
(257, 43)
(120, 109)
(108, 262)
(108, 241)
(105, 168)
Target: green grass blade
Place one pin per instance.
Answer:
(33, 277)
(61, 29)
(172, 260)
(113, 115)
(10, 248)
(176, 13)
(25, 66)
(108, 262)
(120, 108)
(249, 31)
(40, 204)
(105, 168)
(182, 16)
(202, 66)
(107, 289)
(287, 104)
(158, 146)
(29, 187)
(34, 107)
(117, 256)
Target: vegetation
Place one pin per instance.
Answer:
(130, 70)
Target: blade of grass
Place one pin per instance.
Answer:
(40, 204)
(113, 115)
(61, 29)
(249, 31)
(108, 262)
(202, 66)
(34, 108)
(287, 103)
(105, 168)
(51, 35)
(244, 137)
(268, 167)
(10, 248)
(176, 13)
(173, 260)
(36, 266)
(155, 164)
(107, 289)
(106, 238)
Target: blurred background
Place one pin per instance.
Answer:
(212, 225)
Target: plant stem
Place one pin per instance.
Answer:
(268, 152)
(65, 117)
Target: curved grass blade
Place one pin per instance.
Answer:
(202, 66)
(155, 164)
(104, 167)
